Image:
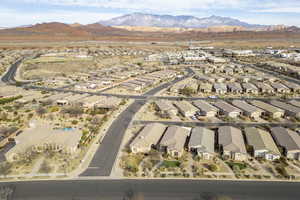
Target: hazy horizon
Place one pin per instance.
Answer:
(26, 12)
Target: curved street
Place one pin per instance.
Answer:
(104, 159)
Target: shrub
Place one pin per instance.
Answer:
(74, 122)
(187, 91)
(10, 99)
(213, 167)
(282, 171)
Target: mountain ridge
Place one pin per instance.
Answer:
(179, 21)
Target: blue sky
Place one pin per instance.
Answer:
(25, 12)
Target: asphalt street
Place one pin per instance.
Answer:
(9, 76)
(154, 189)
(149, 95)
(212, 124)
(104, 158)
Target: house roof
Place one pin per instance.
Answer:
(292, 85)
(175, 137)
(205, 106)
(231, 139)
(246, 107)
(41, 132)
(285, 106)
(226, 107)
(205, 86)
(265, 106)
(185, 106)
(264, 86)
(220, 86)
(295, 103)
(149, 135)
(278, 86)
(260, 140)
(249, 86)
(202, 139)
(286, 138)
(234, 86)
(164, 105)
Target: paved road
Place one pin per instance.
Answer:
(9, 77)
(154, 189)
(103, 161)
(149, 95)
(216, 124)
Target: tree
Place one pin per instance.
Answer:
(74, 122)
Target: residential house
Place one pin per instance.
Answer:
(213, 59)
(292, 86)
(227, 109)
(289, 109)
(202, 142)
(262, 143)
(205, 87)
(165, 109)
(131, 86)
(295, 103)
(220, 88)
(264, 88)
(173, 140)
(279, 87)
(90, 101)
(288, 140)
(250, 88)
(71, 99)
(235, 88)
(228, 70)
(185, 108)
(41, 136)
(148, 137)
(205, 78)
(205, 108)
(248, 110)
(231, 143)
(270, 111)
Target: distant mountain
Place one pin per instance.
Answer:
(75, 25)
(182, 21)
(294, 29)
(62, 30)
(56, 31)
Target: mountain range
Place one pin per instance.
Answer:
(146, 27)
(181, 21)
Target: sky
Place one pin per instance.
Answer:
(26, 12)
